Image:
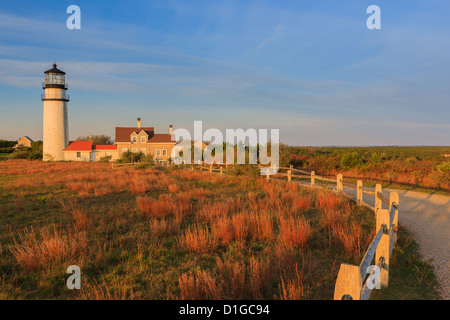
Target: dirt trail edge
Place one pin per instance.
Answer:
(427, 216)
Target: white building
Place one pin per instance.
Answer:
(56, 126)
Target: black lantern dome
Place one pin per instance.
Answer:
(55, 78)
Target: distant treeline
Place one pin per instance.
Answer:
(6, 146)
(417, 166)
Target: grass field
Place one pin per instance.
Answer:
(159, 233)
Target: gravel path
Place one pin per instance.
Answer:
(427, 217)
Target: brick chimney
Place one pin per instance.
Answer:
(170, 129)
(139, 123)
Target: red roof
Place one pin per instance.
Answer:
(79, 146)
(104, 147)
(123, 133)
(161, 138)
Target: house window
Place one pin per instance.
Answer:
(144, 151)
(134, 150)
(108, 154)
(78, 154)
(158, 152)
(134, 139)
(143, 139)
(164, 152)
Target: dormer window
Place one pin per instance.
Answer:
(143, 139)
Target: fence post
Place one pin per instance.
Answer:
(378, 203)
(359, 192)
(382, 251)
(313, 178)
(192, 168)
(394, 200)
(289, 176)
(210, 168)
(339, 185)
(349, 283)
(221, 169)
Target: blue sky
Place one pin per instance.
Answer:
(309, 68)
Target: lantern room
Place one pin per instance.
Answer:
(54, 78)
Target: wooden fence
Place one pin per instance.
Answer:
(353, 281)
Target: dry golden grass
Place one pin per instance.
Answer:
(261, 227)
(34, 251)
(174, 188)
(82, 221)
(104, 291)
(221, 228)
(292, 289)
(248, 235)
(199, 286)
(259, 277)
(295, 231)
(234, 273)
(350, 237)
(198, 239)
(157, 208)
(302, 202)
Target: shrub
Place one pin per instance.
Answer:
(105, 158)
(6, 150)
(244, 169)
(443, 167)
(129, 157)
(19, 155)
(351, 160)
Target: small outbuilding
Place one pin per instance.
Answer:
(24, 142)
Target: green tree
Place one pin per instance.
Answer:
(36, 151)
(97, 139)
(7, 143)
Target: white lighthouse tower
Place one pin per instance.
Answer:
(56, 126)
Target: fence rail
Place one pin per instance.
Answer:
(353, 282)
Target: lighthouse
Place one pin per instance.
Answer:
(56, 127)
